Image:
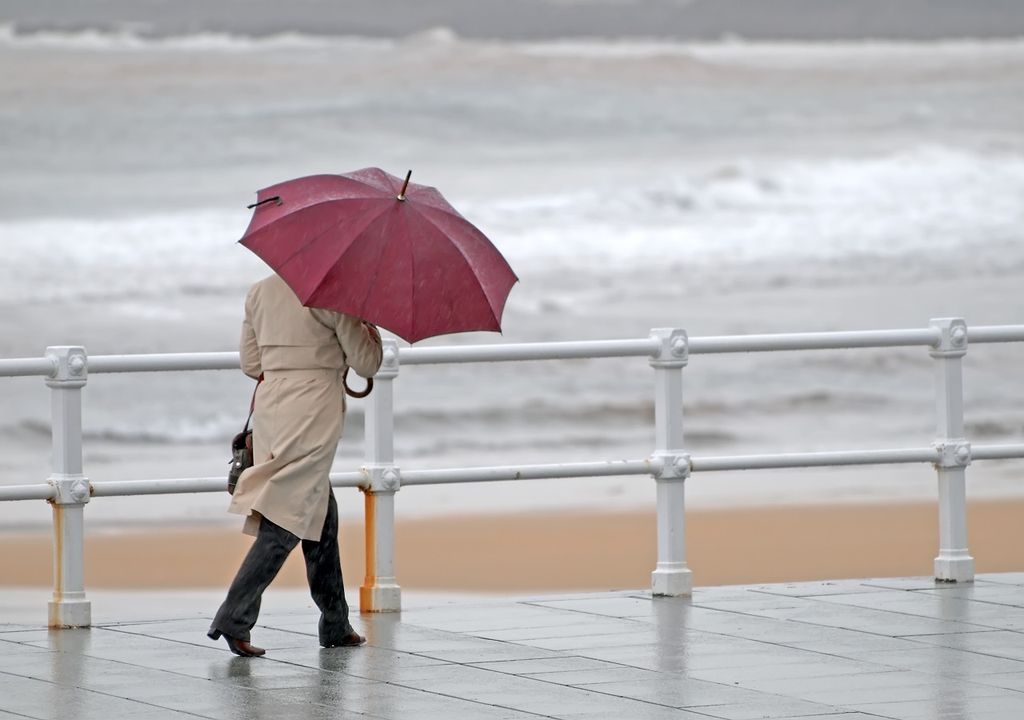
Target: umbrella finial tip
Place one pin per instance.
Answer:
(401, 194)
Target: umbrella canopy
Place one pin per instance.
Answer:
(397, 255)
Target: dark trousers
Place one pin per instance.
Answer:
(237, 616)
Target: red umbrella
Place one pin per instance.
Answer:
(397, 255)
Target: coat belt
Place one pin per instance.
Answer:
(325, 373)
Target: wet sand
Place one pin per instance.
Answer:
(542, 552)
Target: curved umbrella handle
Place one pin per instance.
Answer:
(352, 393)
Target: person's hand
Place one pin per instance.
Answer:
(372, 330)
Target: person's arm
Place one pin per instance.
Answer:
(359, 340)
(249, 350)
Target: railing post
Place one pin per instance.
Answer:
(954, 563)
(69, 608)
(670, 464)
(380, 591)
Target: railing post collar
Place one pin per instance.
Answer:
(381, 478)
(954, 453)
(670, 466)
(952, 337)
(389, 363)
(70, 489)
(70, 366)
(673, 348)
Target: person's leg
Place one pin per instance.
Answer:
(323, 571)
(237, 615)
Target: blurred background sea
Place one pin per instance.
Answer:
(725, 166)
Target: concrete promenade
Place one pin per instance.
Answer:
(843, 650)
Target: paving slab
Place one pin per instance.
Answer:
(1008, 578)
(983, 592)
(945, 662)
(1004, 644)
(560, 663)
(610, 674)
(1008, 681)
(818, 588)
(769, 707)
(896, 648)
(946, 707)
(872, 620)
(938, 606)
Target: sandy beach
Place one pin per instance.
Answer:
(565, 551)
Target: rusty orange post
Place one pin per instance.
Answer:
(380, 591)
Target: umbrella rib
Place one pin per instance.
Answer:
(355, 237)
(319, 235)
(412, 299)
(450, 211)
(462, 254)
(315, 238)
(334, 225)
(376, 266)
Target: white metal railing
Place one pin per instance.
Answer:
(66, 371)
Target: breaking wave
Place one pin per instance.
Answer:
(132, 37)
(217, 430)
(728, 50)
(929, 199)
(924, 202)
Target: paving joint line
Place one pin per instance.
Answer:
(17, 714)
(107, 694)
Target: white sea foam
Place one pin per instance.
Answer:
(137, 37)
(133, 258)
(927, 200)
(875, 54)
(132, 38)
(605, 49)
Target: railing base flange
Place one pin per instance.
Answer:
(675, 582)
(380, 598)
(69, 614)
(954, 570)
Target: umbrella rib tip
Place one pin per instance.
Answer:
(276, 199)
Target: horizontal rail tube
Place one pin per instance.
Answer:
(528, 351)
(163, 486)
(813, 341)
(526, 472)
(995, 333)
(159, 362)
(816, 459)
(164, 361)
(170, 486)
(349, 479)
(996, 452)
(26, 367)
(27, 492)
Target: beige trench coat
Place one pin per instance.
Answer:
(300, 405)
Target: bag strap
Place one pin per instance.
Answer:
(252, 403)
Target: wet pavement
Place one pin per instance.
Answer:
(844, 650)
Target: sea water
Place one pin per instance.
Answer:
(633, 180)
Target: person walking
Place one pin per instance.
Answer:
(300, 355)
